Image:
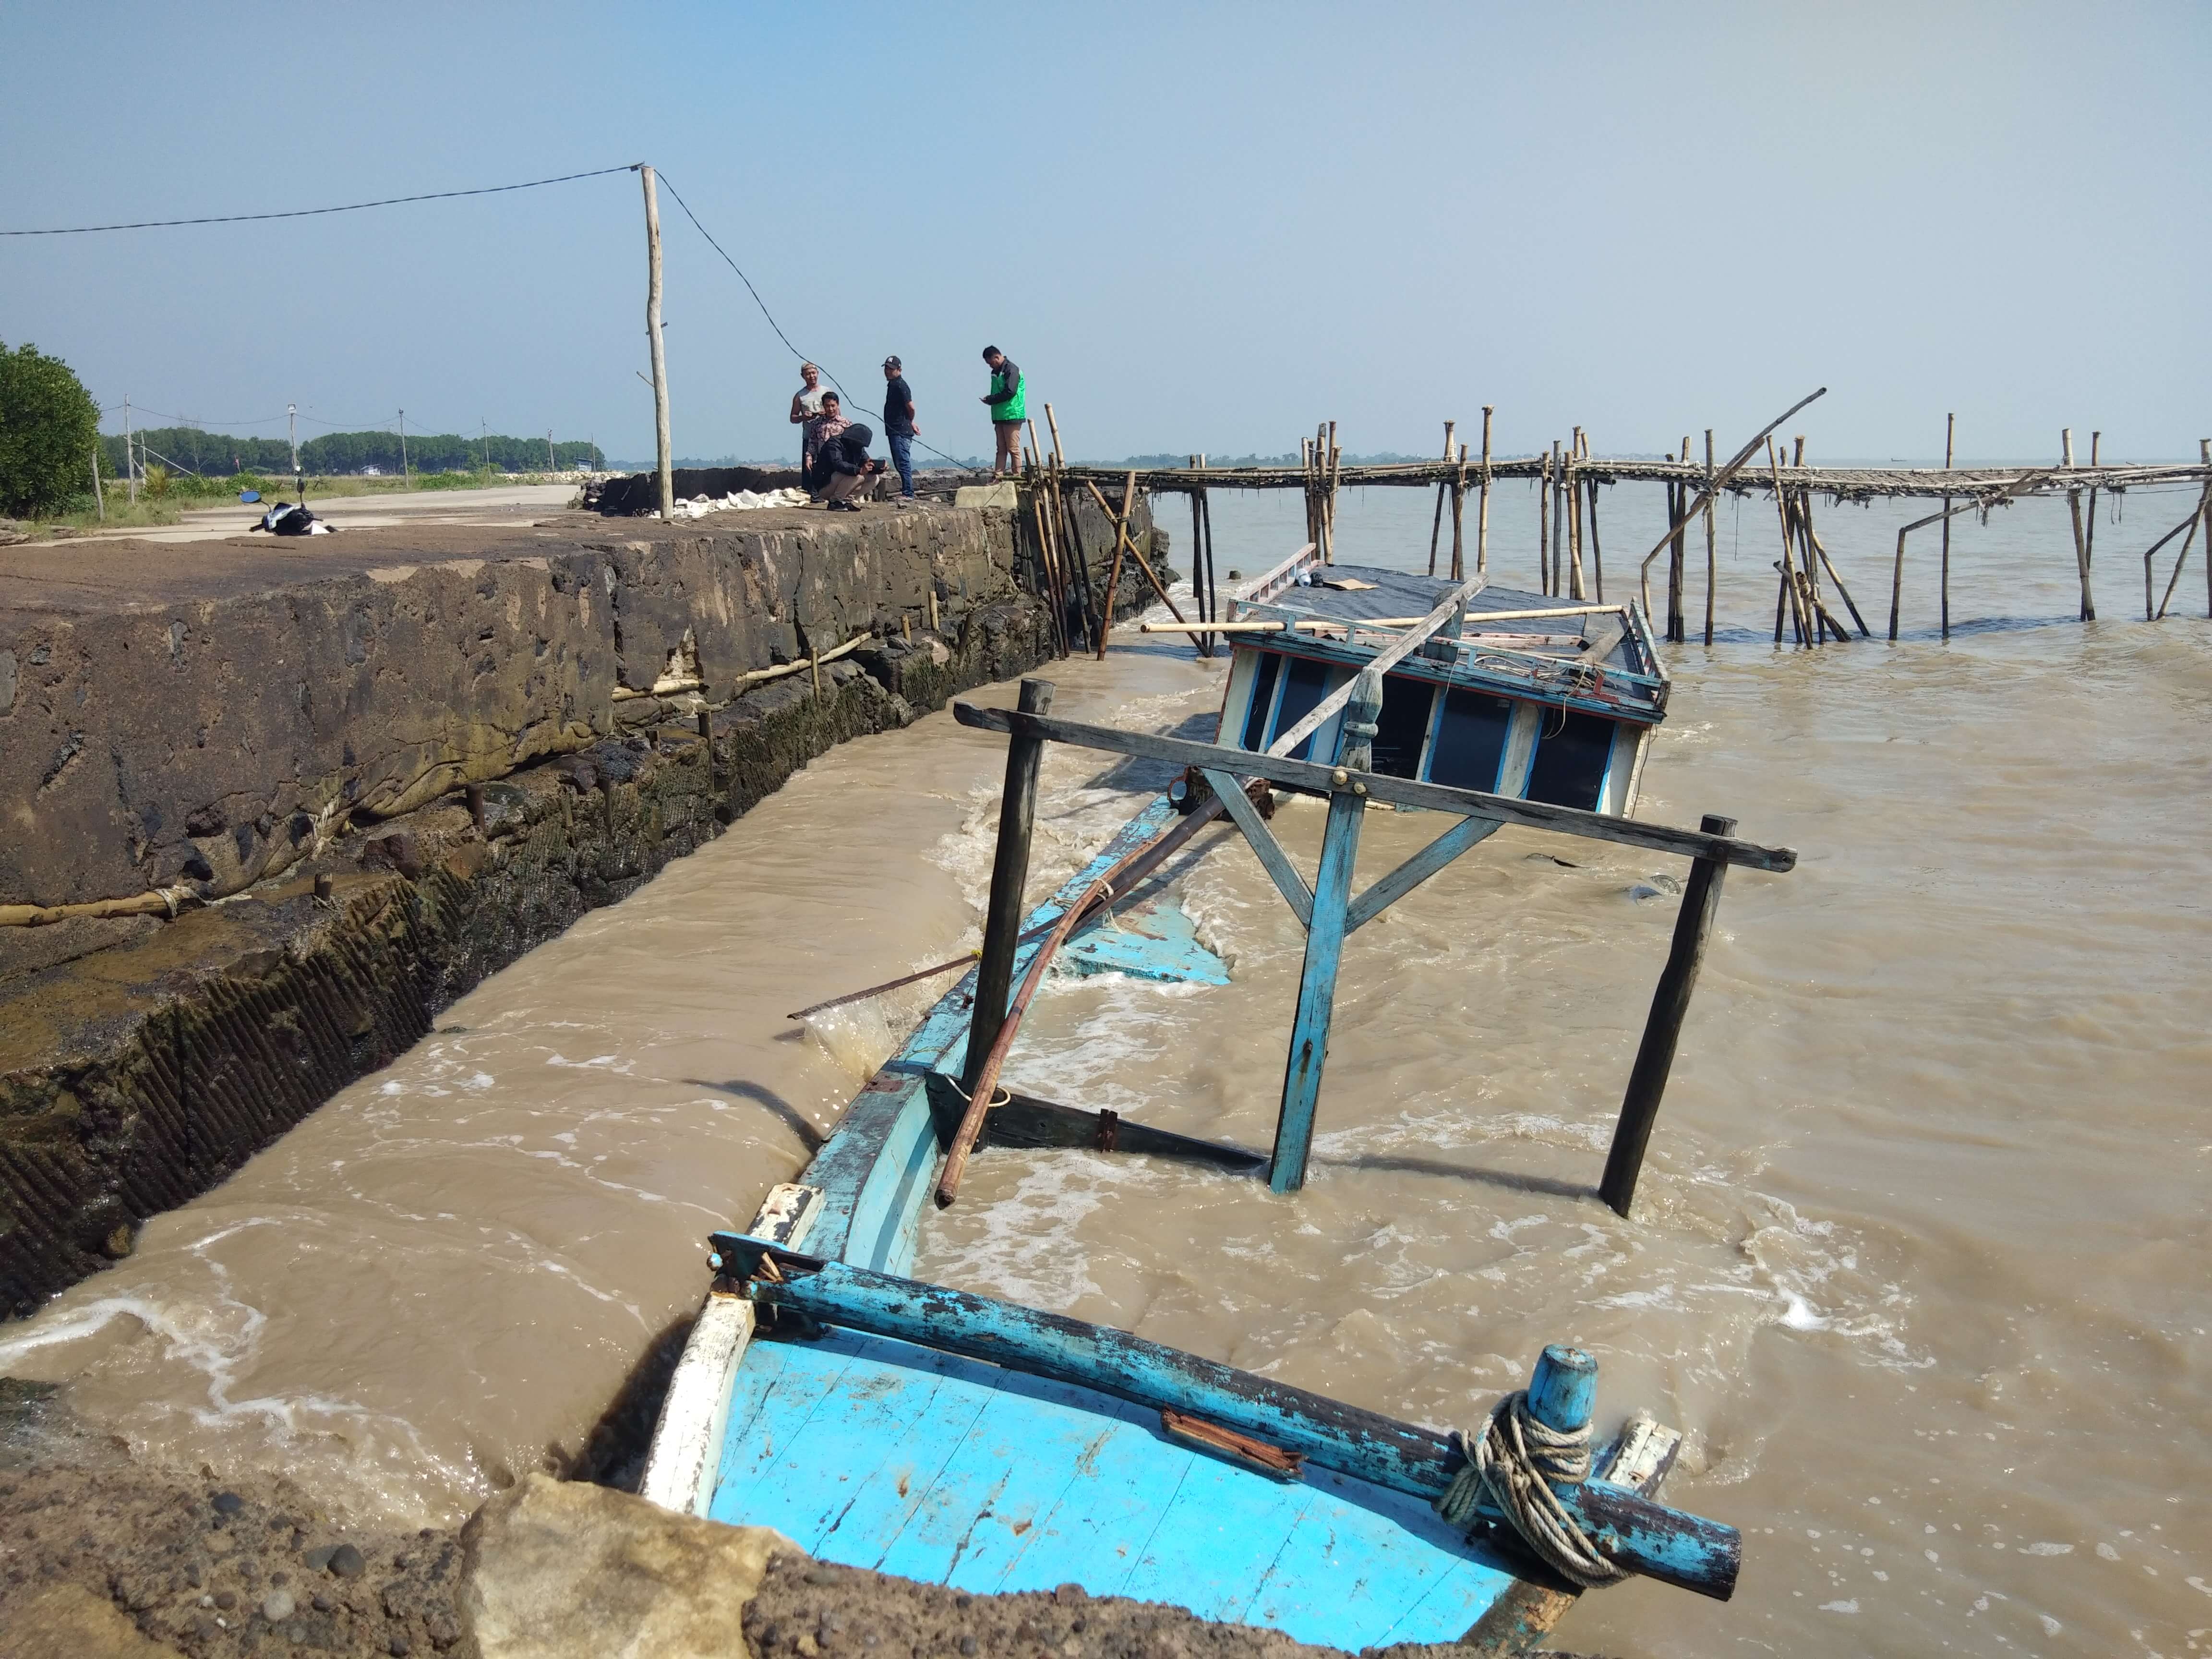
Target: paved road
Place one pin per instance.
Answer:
(505, 504)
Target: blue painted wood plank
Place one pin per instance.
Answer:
(1092, 1533)
(1361, 1561)
(760, 1450)
(1047, 1435)
(1217, 1537)
(873, 1456)
(951, 1470)
(1160, 944)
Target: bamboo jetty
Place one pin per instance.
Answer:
(1814, 606)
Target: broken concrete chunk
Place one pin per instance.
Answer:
(559, 1569)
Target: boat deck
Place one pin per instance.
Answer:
(877, 1453)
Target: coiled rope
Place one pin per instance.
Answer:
(1513, 1463)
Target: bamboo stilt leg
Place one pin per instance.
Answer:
(1712, 555)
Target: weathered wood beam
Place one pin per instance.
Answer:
(1318, 780)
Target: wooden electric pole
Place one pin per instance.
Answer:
(652, 337)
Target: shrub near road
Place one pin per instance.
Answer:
(49, 433)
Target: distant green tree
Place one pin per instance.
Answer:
(49, 433)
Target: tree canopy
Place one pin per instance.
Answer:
(49, 431)
(213, 454)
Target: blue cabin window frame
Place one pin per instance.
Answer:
(1551, 722)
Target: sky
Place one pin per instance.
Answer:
(1195, 227)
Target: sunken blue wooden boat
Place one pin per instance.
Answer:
(924, 1430)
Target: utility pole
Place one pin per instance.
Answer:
(404, 472)
(652, 337)
(483, 440)
(130, 463)
(292, 424)
(97, 499)
(551, 465)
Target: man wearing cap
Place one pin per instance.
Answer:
(898, 424)
(1008, 402)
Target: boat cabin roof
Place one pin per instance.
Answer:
(1549, 655)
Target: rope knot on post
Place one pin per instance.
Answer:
(1514, 1462)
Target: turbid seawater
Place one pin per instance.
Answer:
(1919, 1259)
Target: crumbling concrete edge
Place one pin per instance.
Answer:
(166, 1063)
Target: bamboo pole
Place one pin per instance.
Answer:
(2186, 528)
(1713, 488)
(1982, 502)
(1047, 552)
(1712, 560)
(2081, 546)
(2205, 513)
(1950, 442)
(1120, 523)
(1482, 509)
(2089, 541)
(1800, 510)
(1123, 539)
(1558, 523)
(1575, 523)
(1459, 520)
(1335, 469)
(1796, 598)
(1544, 525)
(1436, 524)
(1836, 577)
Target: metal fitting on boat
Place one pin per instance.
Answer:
(1339, 777)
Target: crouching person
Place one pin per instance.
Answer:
(844, 465)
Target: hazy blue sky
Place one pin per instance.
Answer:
(1194, 227)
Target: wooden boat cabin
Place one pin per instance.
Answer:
(1529, 697)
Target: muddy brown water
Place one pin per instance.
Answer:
(1920, 1257)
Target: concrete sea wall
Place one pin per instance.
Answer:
(332, 785)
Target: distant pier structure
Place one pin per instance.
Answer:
(1812, 606)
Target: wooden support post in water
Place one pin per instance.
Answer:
(1482, 509)
(1120, 522)
(1340, 848)
(1558, 520)
(1437, 525)
(1010, 874)
(1197, 577)
(1712, 562)
(1950, 444)
(1575, 524)
(2089, 541)
(2081, 544)
(1544, 524)
(1459, 520)
(1328, 504)
(1662, 1030)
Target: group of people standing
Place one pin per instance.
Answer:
(834, 457)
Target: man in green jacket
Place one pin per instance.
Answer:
(1008, 400)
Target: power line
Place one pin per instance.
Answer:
(309, 213)
(843, 395)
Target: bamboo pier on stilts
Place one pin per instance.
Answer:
(1813, 605)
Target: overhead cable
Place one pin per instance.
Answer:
(309, 213)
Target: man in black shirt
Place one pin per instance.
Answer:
(898, 424)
